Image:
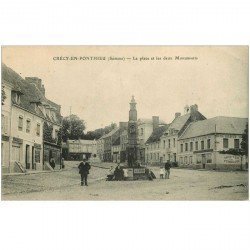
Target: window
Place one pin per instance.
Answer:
(164, 144)
(28, 126)
(4, 124)
(236, 143)
(191, 146)
(174, 142)
(225, 143)
(151, 156)
(181, 160)
(20, 123)
(38, 129)
(158, 156)
(37, 155)
(181, 147)
(196, 146)
(185, 159)
(190, 159)
(198, 159)
(169, 144)
(141, 131)
(209, 158)
(169, 157)
(186, 146)
(202, 145)
(208, 143)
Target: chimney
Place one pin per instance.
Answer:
(193, 108)
(123, 125)
(177, 114)
(186, 109)
(155, 120)
(37, 81)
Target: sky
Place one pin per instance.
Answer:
(99, 91)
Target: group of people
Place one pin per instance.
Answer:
(117, 173)
(165, 171)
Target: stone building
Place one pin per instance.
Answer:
(153, 145)
(116, 150)
(205, 144)
(145, 130)
(82, 149)
(28, 111)
(168, 141)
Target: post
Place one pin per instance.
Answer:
(215, 147)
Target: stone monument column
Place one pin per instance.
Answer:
(132, 148)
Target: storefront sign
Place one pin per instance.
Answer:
(139, 171)
(231, 159)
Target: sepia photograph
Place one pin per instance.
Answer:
(124, 123)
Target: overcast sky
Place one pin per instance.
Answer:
(100, 91)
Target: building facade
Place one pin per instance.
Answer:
(207, 143)
(168, 141)
(82, 149)
(29, 111)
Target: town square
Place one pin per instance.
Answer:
(132, 151)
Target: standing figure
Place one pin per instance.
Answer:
(167, 169)
(52, 163)
(162, 172)
(84, 168)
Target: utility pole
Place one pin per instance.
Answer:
(215, 147)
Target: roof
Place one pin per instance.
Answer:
(220, 124)
(110, 133)
(89, 142)
(116, 142)
(157, 133)
(29, 94)
(179, 122)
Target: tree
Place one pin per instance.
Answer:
(72, 128)
(244, 142)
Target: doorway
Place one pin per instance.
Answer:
(32, 158)
(27, 157)
(203, 160)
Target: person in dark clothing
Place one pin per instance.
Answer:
(167, 168)
(84, 168)
(52, 163)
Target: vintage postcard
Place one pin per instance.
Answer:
(124, 122)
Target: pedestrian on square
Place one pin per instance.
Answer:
(63, 163)
(162, 172)
(52, 163)
(84, 168)
(167, 169)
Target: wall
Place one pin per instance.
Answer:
(30, 138)
(210, 158)
(6, 121)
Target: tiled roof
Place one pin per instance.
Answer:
(110, 133)
(157, 133)
(220, 124)
(29, 93)
(84, 142)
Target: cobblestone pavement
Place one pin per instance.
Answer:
(183, 184)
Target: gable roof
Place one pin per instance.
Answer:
(157, 133)
(110, 133)
(180, 121)
(222, 124)
(29, 94)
